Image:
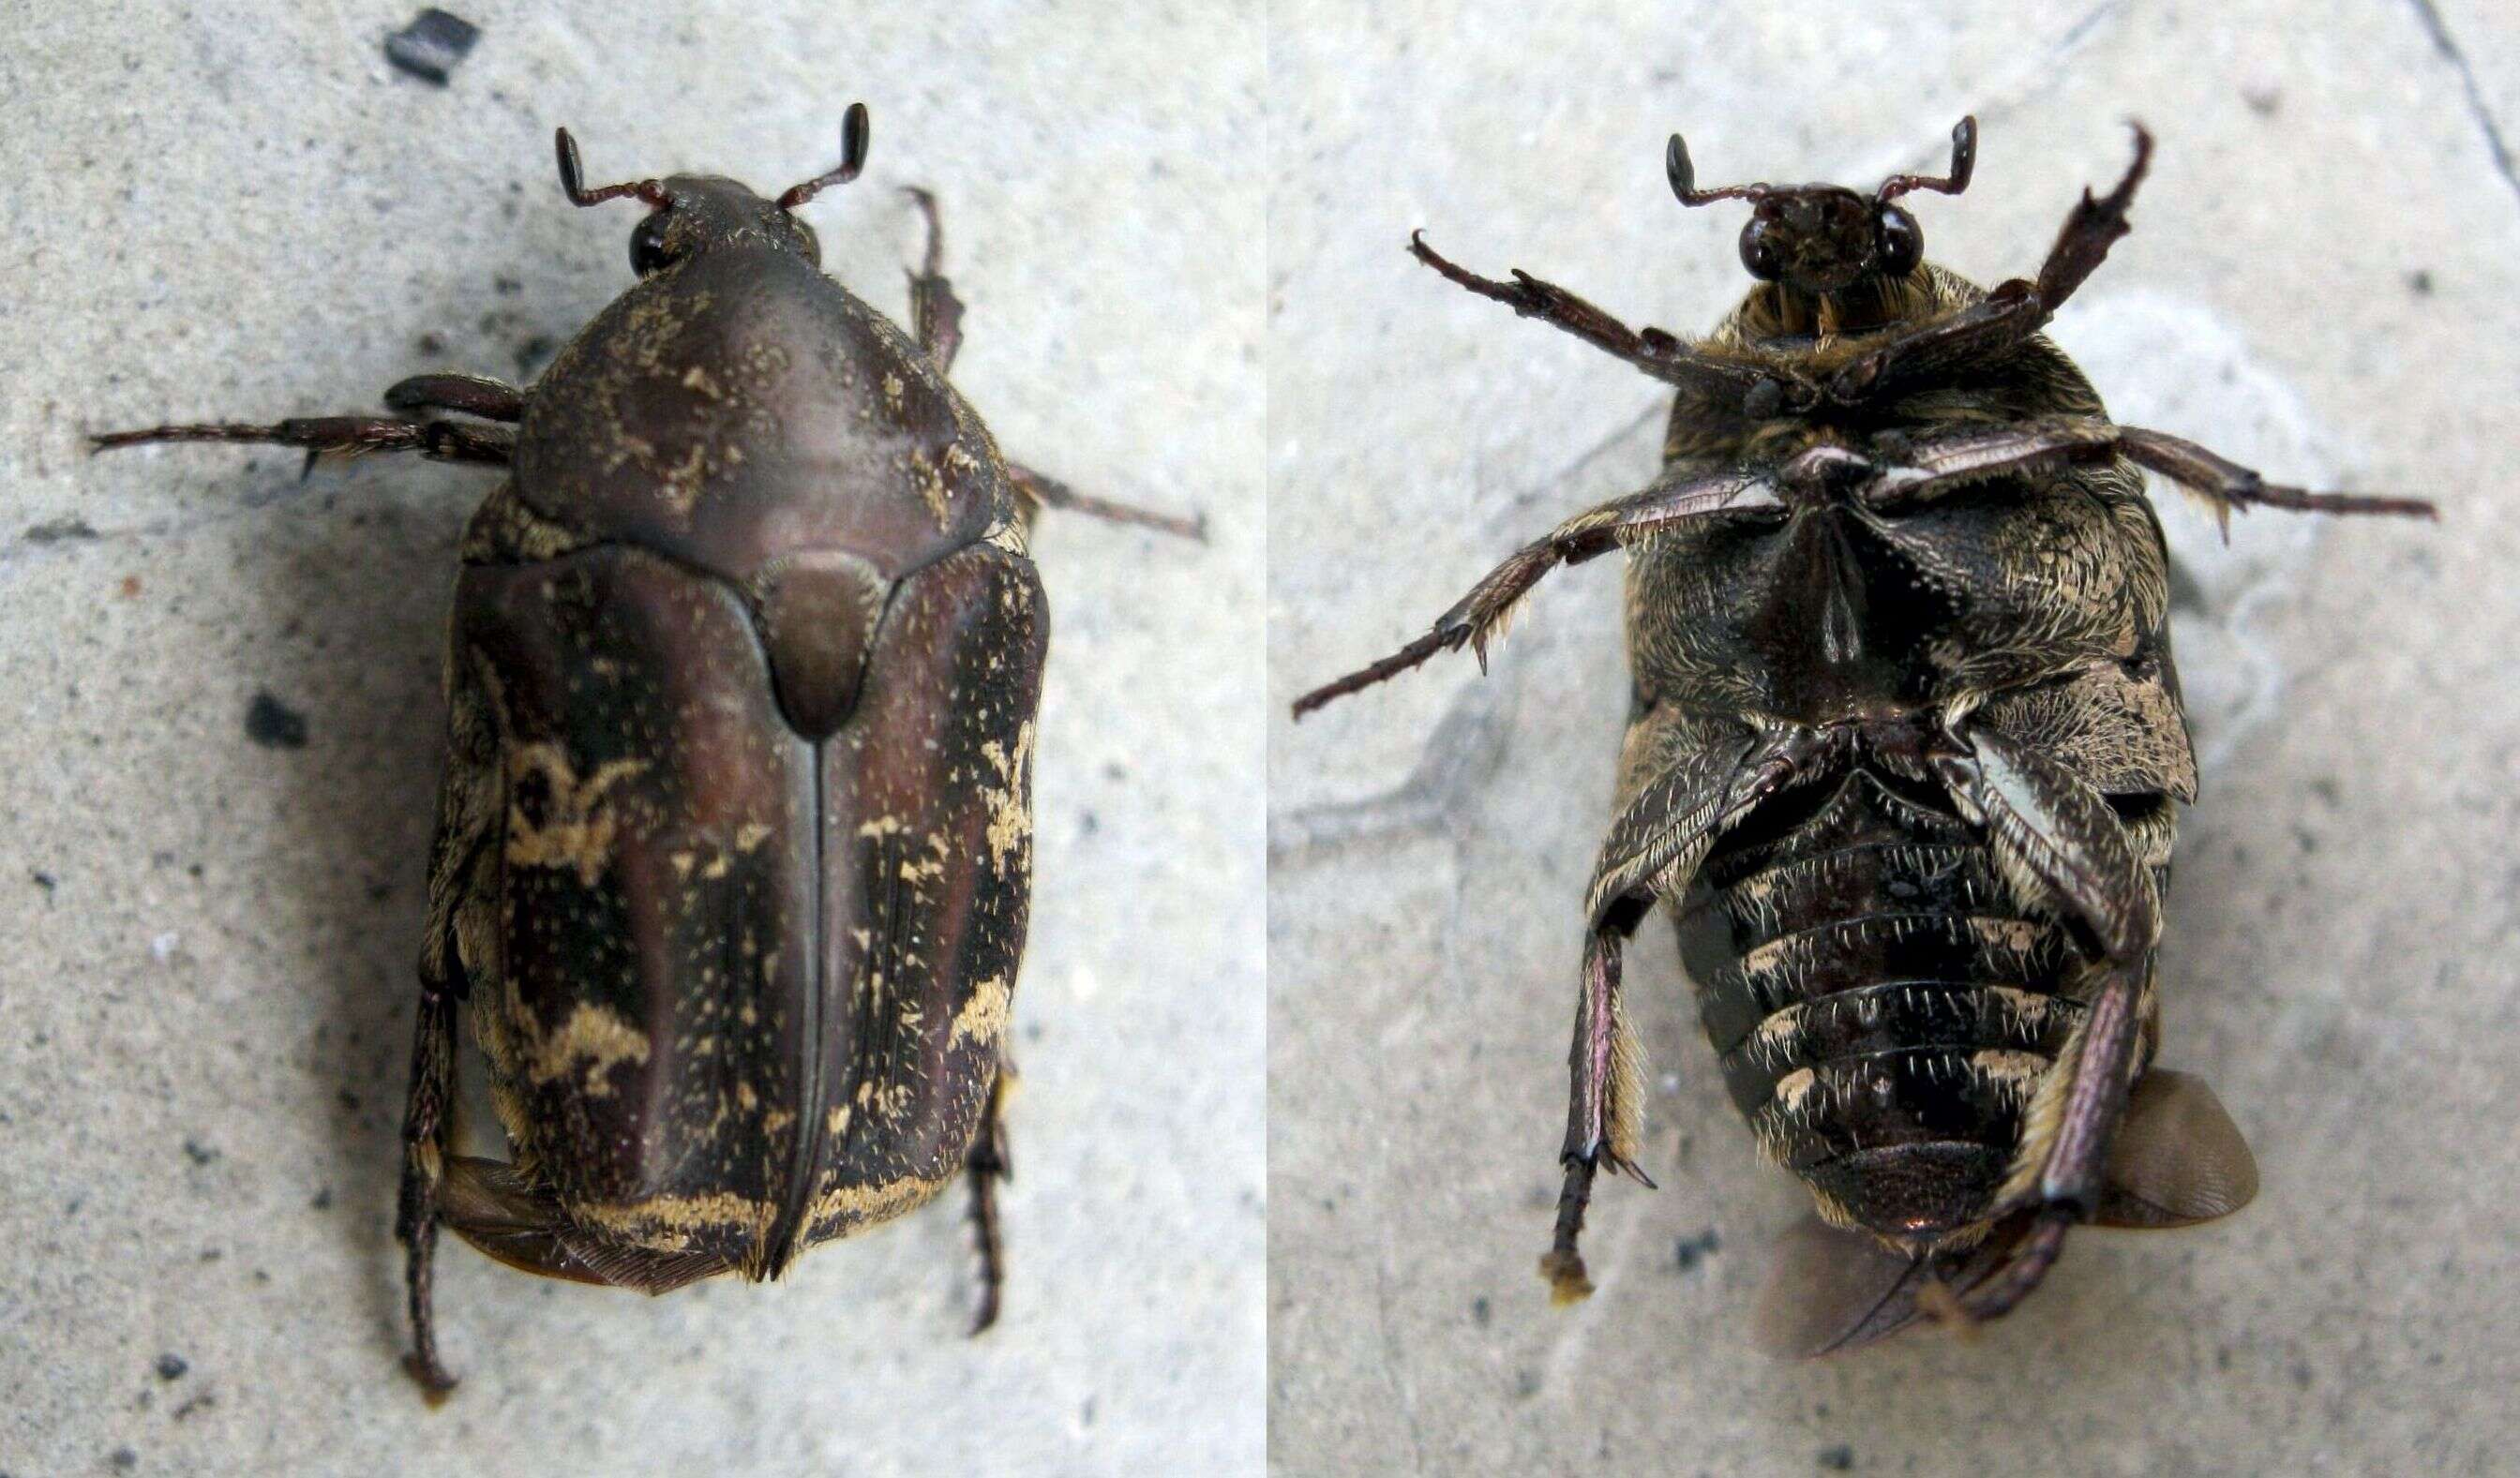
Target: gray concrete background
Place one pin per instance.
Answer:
(217, 209)
(2321, 276)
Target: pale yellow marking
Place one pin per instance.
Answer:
(2015, 934)
(580, 831)
(984, 1016)
(931, 478)
(883, 825)
(2009, 1067)
(1011, 799)
(864, 1205)
(682, 485)
(665, 1223)
(1795, 1089)
(1776, 1035)
(746, 1098)
(594, 1034)
(836, 1122)
(892, 391)
(749, 835)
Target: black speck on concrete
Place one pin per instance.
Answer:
(1480, 1313)
(273, 724)
(171, 1367)
(432, 45)
(124, 1459)
(46, 882)
(1693, 1250)
(2418, 282)
(1838, 1459)
(198, 1153)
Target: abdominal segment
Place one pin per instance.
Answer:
(1883, 1005)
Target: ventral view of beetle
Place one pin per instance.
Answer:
(734, 847)
(1904, 755)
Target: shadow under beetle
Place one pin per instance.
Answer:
(1903, 748)
(734, 846)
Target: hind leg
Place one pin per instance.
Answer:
(986, 1165)
(427, 1130)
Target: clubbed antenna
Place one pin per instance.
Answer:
(1683, 179)
(1964, 165)
(572, 180)
(853, 152)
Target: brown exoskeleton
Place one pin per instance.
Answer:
(1902, 751)
(734, 855)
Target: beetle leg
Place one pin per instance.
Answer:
(1653, 849)
(935, 313)
(1923, 468)
(1037, 490)
(1731, 384)
(342, 435)
(1672, 498)
(1602, 1111)
(2013, 311)
(469, 394)
(2053, 833)
(2227, 485)
(426, 1130)
(986, 1164)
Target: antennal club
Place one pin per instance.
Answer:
(1964, 165)
(853, 151)
(572, 180)
(1683, 179)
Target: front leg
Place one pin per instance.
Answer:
(936, 317)
(341, 435)
(935, 313)
(1676, 497)
(2012, 312)
(1725, 385)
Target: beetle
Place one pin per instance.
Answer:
(733, 845)
(1904, 751)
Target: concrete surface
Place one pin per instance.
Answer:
(205, 1001)
(2321, 276)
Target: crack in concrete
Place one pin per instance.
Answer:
(2431, 20)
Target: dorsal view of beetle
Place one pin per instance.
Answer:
(733, 845)
(1904, 756)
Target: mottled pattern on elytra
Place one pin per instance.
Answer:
(742, 987)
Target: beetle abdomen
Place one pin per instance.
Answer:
(1882, 1005)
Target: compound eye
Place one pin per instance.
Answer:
(1759, 250)
(647, 245)
(1897, 241)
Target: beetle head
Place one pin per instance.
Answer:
(692, 213)
(1817, 241)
